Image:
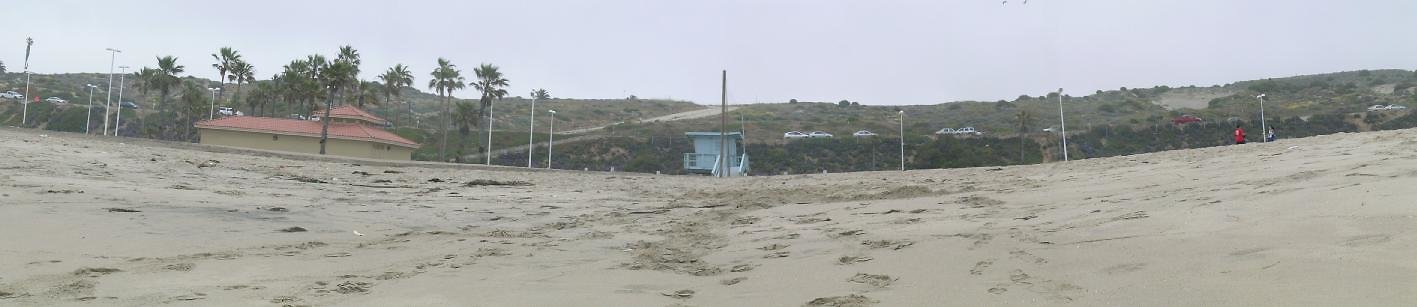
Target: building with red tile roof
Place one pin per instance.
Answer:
(354, 114)
(353, 132)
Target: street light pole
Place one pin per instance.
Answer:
(25, 103)
(112, 59)
(1264, 132)
(902, 139)
(88, 120)
(1063, 123)
(490, 104)
(212, 113)
(550, 138)
(531, 132)
(122, 75)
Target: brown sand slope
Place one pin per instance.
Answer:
(1319, 221)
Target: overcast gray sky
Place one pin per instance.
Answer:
(876, 52)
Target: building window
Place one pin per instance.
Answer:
(275, 137)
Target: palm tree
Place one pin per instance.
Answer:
(260, 97)
(1023, 118)
(540, 94)
(367, 93)
(466, 116)
(334, 78)
(241, 72)
(492, 85)
(349, 55)
(395, 79)
(192, 102)
(165, 79)
(446, 79)
(311, 88)
(292, 80)
(226, 58)
(146, 80)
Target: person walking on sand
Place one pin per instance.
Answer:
(1269, 136)
(1239, 135)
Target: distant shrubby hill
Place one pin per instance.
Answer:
(1100, 123)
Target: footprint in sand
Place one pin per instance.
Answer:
(1124, 268)
(775, 246)
(874, 280)
(95, 272)
(853, 300)
(980, 267)
(732, 281)
(1248, 251)
(780, 254)
(844, 260)
(891, 244)
(181, 267)
(1366, 240)
(1026, 256)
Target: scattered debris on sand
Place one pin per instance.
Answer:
(489, 182)
(293, 229)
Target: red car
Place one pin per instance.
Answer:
(1186, 119)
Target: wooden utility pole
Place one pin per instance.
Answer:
(722, 130)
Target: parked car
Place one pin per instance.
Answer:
(794, 135)
(820, 134)
(314, 118)
(1395, 107)
(297, 116)
(228, 111)
(1186, 119)
(55, 100)
(968, 131)
(945, 131)
(1049, 129)
(1377, 107)
(129, 105)
(863, 134)
(12, 95)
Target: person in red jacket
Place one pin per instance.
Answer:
(1239, 135)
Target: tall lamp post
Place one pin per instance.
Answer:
(88, 120)
(550, 138)
(490, 104)
(211, 114)
(25, 112)
(1063, 123)
(1264, 132)
(122, 75)
(531, 132)
(112, 59)
(902, 139)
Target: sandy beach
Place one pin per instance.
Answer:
(90, 221)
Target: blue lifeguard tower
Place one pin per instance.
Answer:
(705, 158)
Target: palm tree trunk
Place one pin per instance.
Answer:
(447, 122)
(237, 97)
(162, 113)
(325, 121)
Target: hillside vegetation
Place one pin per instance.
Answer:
(1105, 123)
